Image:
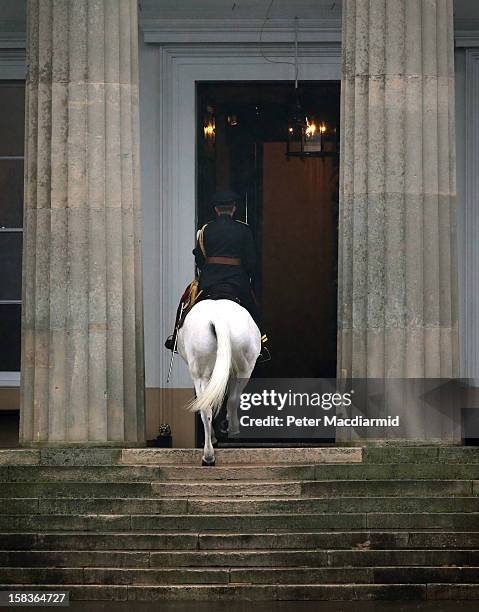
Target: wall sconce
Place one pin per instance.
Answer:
(313, 136)
(307, 137)
(209, 125)
(209, 130)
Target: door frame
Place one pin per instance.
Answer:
(181, 67)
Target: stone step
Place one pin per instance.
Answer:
(151, 473)
(353, 471)
(292, 575)
(421, 454)
(234, 488)
(177, 456)
(91, 473)
(239, 558)
(168, 522)
(241, 505)
(114, 576)
(251, 558)
(203, 522)
(60, 456)
(317, 488)
(134, 541)
(160, 456)
(383, 488)
(175, 489)
(290, 456)
(239, 592)
(324, 505)
(238, 456)
(360, 540)
(346, 575)
(254, 575)
(94, 505)
(453, 521)
(73, 558)
(8, 490)
(98, 541)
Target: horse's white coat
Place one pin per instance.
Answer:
(220, 342)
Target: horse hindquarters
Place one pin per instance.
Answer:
(220, 343)
(213, 394)
(207, 348)
(205, 344)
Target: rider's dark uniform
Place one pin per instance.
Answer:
(229, 240)
(225, 255)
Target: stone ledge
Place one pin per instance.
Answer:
(19, 456)
(108, 456)
(238, 456)
(60, 456)
(79, 456)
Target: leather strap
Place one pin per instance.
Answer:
(201, 239)
(229, 261)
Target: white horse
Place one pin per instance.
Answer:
(220, 343)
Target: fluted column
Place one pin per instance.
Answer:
(82, 331)
(397, 255)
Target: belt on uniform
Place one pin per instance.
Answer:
(229, 261)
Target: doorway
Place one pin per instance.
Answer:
(289, 201)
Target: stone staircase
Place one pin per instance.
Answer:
(264, 524)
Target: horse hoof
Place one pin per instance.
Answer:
(208, 463)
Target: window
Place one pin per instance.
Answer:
(12, 113)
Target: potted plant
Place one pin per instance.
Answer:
(163, 439)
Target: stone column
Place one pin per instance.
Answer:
(397, 296)
(82, 377)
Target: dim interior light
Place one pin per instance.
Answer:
(311, 128)
(307, 136)
(209, 129)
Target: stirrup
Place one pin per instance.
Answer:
(170, 343)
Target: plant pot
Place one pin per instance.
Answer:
(164, 441)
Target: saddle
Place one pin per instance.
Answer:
(193, 295)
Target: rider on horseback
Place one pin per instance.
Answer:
(225, 255)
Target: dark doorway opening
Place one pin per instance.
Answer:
(291, 205)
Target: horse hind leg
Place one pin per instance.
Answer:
(236, 389)
(208, 458)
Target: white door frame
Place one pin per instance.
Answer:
(181, 68)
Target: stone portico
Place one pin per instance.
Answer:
(82, 371)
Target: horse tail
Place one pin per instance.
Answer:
(215, 391)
